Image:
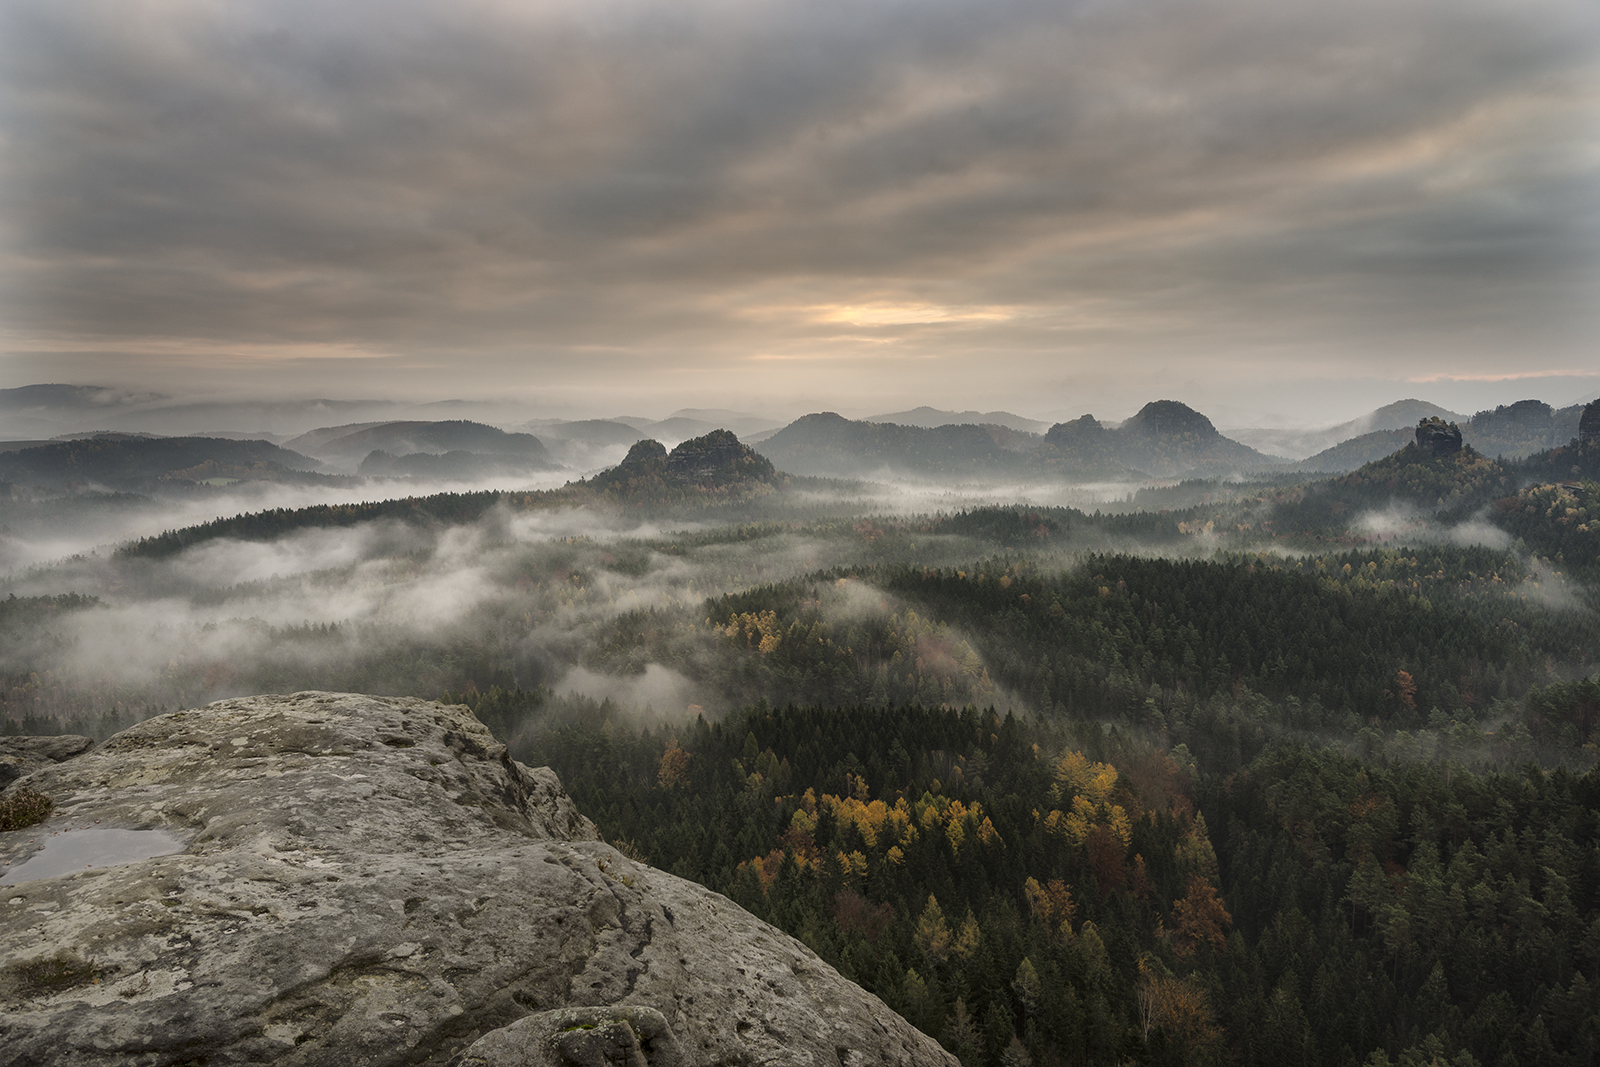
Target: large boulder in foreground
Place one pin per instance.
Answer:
(374, 881)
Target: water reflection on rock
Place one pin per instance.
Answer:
(65, 851)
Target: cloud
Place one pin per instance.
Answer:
(1552, 589)
(47, 530)
(1407, 524)
(662, 689)
(470, 191)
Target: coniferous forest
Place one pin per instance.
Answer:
(1081, 516)
(1286, 770)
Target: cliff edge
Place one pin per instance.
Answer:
(362, 880)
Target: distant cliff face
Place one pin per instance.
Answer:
(716, 462)
(716, 458)
(1589, 423)
(374, 881)
(1085, 430)
(1437, 437)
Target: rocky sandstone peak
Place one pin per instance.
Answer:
(1437, 437)
(367, 880)
(1589, 423)
(716, 457)
(716, 460)
(647, 454)
(1085, 428)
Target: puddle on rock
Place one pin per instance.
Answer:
(71, 850)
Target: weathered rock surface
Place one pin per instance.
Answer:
(580, 1037)
(374, 881)
(23, 755)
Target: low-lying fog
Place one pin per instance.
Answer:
(517, 598)
(37, 532)
(584, 599)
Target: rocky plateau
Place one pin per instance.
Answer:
(374, 881)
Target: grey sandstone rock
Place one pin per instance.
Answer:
(1589, 422)
(1438, 437)
(374, 881)
(22, 755)
(580, 1037)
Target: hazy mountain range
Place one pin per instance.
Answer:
(1164, 440)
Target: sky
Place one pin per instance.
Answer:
(1277, 211)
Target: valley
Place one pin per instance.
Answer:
(1074, 746)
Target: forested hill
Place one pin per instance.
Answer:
(1358, 451)
(1428, 494)
(715, 464)
(711, 470)
(129, 463)
(1164, 439)
(439, 509)
(1041, 894)
(1449, 486)
(1226, 657)
(1510, 431)
(830, 445)
(350, 444)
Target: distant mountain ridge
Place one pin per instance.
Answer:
(1514, 431)
(125, 462)
(1521, 429)
(829, 445)
(684, 424)
(584, 444)
(39, 397)
(1302, 443)
(1357, 451)
(387, 447)
(44, 411)
(1164, 439)
(929, 417)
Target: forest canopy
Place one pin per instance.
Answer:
(1280, 769)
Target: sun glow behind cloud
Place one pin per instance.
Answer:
(905, 314)
(1034, 197)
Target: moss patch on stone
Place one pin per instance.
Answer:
(49, 975)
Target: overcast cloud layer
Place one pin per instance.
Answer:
(1009, 202)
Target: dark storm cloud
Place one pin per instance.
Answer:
(690, 184)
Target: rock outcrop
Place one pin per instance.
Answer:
(1589, 422)
(716, 464)
(23, 755)
(1437, 437)
(374, 881)
(715, 458)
